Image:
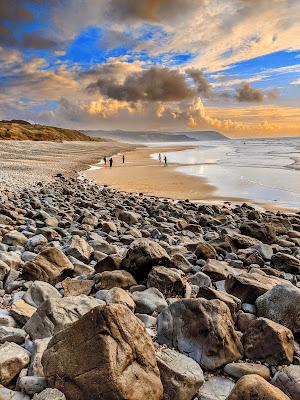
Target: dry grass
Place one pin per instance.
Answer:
(22, 130)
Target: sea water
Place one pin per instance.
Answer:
(262, 170)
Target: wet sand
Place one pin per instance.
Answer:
(141, 174)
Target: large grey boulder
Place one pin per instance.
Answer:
(149, 300)
(202, 329)
(142, 255)
(181, 376)
(288, 380)
(39, 292)
(215, 388)
(38, 347)
(106, 354)
(10, 334)
(282, 305)
(56, 314)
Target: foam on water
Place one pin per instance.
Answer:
(263, 170)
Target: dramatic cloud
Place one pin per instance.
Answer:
(154, 84)
(13, 16)
(152, 10)
(248, 94)
(204, 88)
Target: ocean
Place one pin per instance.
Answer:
(260, 170)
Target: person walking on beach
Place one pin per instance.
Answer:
(110, 162)
(165, 160)
(159, 157)
(104, 159)
(123, 159)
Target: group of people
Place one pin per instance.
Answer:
(165, 159)
(110, 161)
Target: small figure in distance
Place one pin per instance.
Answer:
(165, 160)
(110, 162)
(123, 158)
(159, 157)
(104, 159)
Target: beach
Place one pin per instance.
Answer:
(259, 172)
(23, 163)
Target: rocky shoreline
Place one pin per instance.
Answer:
(108, 295)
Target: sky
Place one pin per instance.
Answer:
(226, 65)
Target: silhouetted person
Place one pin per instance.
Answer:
(123, 159)
(159, 157)
(165, 160)
(110, 162)
(104, 159)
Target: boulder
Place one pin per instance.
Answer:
(7, 394)
(21, 311)
(51, 265)
(288, 380)
(180, 262)
(254, 387)
(268, 342)
(129, 217)
(119, 296)
(13, 358)
(142, 255)
(39, 292)
(38, 347)
(218, 270)
(185, 324)
(149, 300)
(286, 263)
(239, 369)
(49, 394)
(205, 251)
(215, 388)
(118, 278)
(32, 384)
(14, 238)
(115, 361)
(108, 263)
(36, 240)
(56, 314)
(249, 286)
(237, 241)
(10, 334)
(79, 248)
(281, 304)
(76, 287)
(199, 279)
(266, 233)
(233, 303)
(167, 281)
(181, 376)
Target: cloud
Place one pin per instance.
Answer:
(246, 93)
(204, 88)
(152, 10)
(14, 15)
(296, 82)
(154, 84)
(35, 41)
